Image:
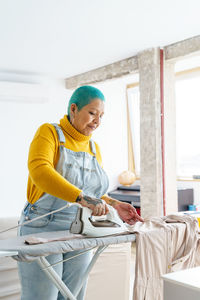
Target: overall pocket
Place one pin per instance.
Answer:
(31, 213)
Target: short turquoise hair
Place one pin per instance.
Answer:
(84, 95)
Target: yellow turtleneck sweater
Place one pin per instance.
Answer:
(43, 157)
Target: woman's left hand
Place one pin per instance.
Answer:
(128, 213)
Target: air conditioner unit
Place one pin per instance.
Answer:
(23, 92)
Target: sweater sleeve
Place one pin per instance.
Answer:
(42, 158)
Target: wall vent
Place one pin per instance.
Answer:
(23, 92)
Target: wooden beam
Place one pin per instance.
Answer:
(183, 48)
(130, 65)
(114, 70)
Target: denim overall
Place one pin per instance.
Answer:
(83, 171)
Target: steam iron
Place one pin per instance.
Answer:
(96, 226)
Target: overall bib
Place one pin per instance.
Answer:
(84, 171)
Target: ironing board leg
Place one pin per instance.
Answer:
(93, 260)
(54, 277)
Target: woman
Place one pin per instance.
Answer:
(65, 165)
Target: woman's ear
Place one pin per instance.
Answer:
(73, 110)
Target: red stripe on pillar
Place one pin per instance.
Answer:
(162, 126)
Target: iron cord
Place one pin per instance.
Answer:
(37, 218)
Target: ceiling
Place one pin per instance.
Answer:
(62, 38)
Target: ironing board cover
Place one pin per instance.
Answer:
(73, 242)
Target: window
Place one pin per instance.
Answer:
(133, 98)
(187, 89)
(187, 125)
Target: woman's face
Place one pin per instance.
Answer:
(88, 118)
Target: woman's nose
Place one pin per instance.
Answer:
(97, 120)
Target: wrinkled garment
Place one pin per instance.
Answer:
(163, 245)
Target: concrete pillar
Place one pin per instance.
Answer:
(150, 133)
(170, 138)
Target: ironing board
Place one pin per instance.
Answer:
(17, 249)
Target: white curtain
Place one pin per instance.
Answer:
(133, 115)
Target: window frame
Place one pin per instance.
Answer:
(188, 73)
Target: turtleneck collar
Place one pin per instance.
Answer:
(68, 128)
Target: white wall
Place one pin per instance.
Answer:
(19, 121)
(112, 134)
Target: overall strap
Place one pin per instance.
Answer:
(59, 132)
(93, 147)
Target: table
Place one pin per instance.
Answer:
(132, 195)
(184, 285)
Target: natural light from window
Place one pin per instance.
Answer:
(187, 89)
(187, 126)
(134, 114)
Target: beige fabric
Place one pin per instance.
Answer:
(163, 245)
(33, 240)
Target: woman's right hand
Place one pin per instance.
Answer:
(98, 206)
